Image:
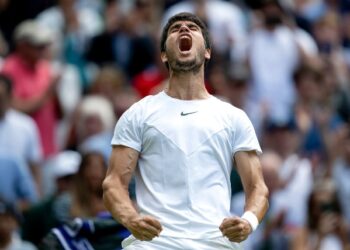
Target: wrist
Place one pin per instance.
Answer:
(251, 218)
(128, 218)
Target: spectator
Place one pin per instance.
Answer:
(19, 136)
(13, 12)
(75, 23)
(325, 228)
(85, 198)
(295, 171)
(33, 82)
(9, 225)
(327, 33)
(39, 219)
(316, 115)
(120, 44)
(97, 233)
(16, 184)
(111, 83)
(92, 126)
(275, 45)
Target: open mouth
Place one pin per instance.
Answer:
(185, 43)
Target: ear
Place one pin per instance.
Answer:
(164, 57)
(207, 54)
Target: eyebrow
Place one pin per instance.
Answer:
(178, 24)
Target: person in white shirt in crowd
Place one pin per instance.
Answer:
(296, 171)
(19, 136)
(326, 227)
(182, 145)
(275, 49)
(73, 24)
(58, 178)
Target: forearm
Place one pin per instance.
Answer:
(36, 173)
(29, 106)
(117, 200)
(255, 189)
(257, 201)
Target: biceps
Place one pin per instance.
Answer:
(122, 164)
(249, 168)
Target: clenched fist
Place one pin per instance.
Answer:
(144, 227)
(235, 228)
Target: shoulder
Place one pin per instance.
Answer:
(20, 120)
(227, 108)
(147, 101)
(139, 108)
(285, 34)
(141, 104)
(227, 113)
(10, 63)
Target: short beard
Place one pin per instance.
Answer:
(190, 66)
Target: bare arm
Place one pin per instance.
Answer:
(249, 169)
(116, 196)
(34, 104)
(36, 173)
(237, 229)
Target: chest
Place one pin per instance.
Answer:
(186, 128)
(31, 83)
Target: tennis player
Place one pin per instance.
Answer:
(182, 145)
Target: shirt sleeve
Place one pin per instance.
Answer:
(244, 136)
(127, 131)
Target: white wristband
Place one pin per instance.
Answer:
(251, 218)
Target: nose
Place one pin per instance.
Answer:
(184, 28)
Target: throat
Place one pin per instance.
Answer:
(187, 90)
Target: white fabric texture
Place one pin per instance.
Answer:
(19, 136)
(186, 157)
(166, 243)
(297, 190)
(273, 56)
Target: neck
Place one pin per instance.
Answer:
(187, 85)
(27, 61)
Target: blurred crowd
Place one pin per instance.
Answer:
(70, 68)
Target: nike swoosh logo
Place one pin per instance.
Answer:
(189, 113)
